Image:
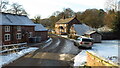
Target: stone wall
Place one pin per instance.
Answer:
(98, 62)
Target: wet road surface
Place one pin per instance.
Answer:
(58, 52)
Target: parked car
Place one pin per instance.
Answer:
(84, 42)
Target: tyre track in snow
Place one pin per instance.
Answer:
(60, 46)
(52, 46)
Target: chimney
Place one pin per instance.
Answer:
(76, 15)
(63, 17)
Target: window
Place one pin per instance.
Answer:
(30, 34)
(7, 37)
(65, 30)
(7, 28)
(18, 28)
(87, 40)
(18, 36)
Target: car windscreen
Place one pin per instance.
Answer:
(78, 39)
(87, 40)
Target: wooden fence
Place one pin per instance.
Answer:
(7, 49)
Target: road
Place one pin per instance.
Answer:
(58, 52)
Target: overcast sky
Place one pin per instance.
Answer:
(45, 8)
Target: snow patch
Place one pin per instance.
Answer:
(80, 59)
(6, 59)
(56, 44)
(50, 41)
(65, 36)
(108, 49)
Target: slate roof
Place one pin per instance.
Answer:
(65, 21)
(104, 29)
(13, 19)
(40, 27)
(92, 32)
(81, 29)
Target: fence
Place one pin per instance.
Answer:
(7, 49)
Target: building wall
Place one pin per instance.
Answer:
(93, 61)
(13, 32)
(26, 32)
(58, 30)
(74, 21)
(3, 33)
(42, 34)
(97, 37)
(65, 26)
(72, 32)
(0, 35)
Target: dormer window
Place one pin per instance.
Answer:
(18, 28)
(7, 28)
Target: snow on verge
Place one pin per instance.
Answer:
(6, 59)
(49, 41)
(107, 49)
(80, 59)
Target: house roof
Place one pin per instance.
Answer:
(104, 29)
(40, 27)
(91, 32)
(81, 29)
(13, 19)
(65, 21)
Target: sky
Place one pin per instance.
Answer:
(119, 6)
(46, 8)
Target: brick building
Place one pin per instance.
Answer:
(79, 29)
(15, 28)
(63, 25)
(95, 35)
(41, 32)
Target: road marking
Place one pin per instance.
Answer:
(53, 56)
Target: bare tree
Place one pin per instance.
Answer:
(111, 4)
(3, 5)
(68, 12)
(56, 13)
(37, 19)
(17, 9)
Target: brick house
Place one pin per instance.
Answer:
(63, 25)
(79, 30)
(95, 35)
(41, 31)
(15, 28)
(84, 30)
